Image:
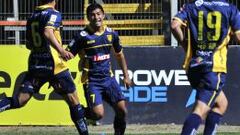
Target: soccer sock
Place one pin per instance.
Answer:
(211, 123)
(119, 126)
(8, 103)
(5, 104)
(77, 115)
(191, 124)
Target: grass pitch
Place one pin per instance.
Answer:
(169, 129)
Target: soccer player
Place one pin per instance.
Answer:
(95, 43)
(47, 63)
(209, 24)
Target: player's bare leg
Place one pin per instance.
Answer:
(194, 120)
(23, 98)
(215, 115)
(98, 112)
(120, 118)
(221, 104)
(201, 109)
(14, 102)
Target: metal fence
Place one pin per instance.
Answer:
(146, 22)
(71, 10)
(141, 16)
(235, 2)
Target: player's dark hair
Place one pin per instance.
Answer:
(46, 1)
(94, 6)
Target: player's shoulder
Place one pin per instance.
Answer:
(187, 7)
(83, 33)
(50, 11)
(233, 7)
(54, 12)
(109, 30)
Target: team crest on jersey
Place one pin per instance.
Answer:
(109, 37)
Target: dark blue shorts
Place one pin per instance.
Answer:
(208, 85)
(61, 82)
(108, 90)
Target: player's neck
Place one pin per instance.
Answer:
(52, 4)
(96, 29)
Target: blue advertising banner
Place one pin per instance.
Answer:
(161, 92)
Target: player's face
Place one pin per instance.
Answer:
(96, 17)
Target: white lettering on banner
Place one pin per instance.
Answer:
(119, 75)
(162, 76)
(156, 78)
(142, 72)
(181, 78)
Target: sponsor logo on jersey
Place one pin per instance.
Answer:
(53, 18)
(91, 41)
(204, 53)
(101, 57)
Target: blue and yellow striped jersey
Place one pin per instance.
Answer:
(43, 56)
(97, 48)
(209, 23)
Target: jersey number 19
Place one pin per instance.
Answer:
(214, 21)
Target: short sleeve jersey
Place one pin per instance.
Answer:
(97, 48)
(43, 57)
(209, 24)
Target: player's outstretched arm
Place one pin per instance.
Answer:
(122, 62)
(178, 33)
(49, 35)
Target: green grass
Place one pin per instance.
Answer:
(104, 130)
(71, 133)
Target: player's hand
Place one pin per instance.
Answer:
(127, 82)
(66, 55)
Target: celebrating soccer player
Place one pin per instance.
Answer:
(95, 43)
(47, 64)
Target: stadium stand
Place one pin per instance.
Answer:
(135, 20)
(140, 18)
(145, 22)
